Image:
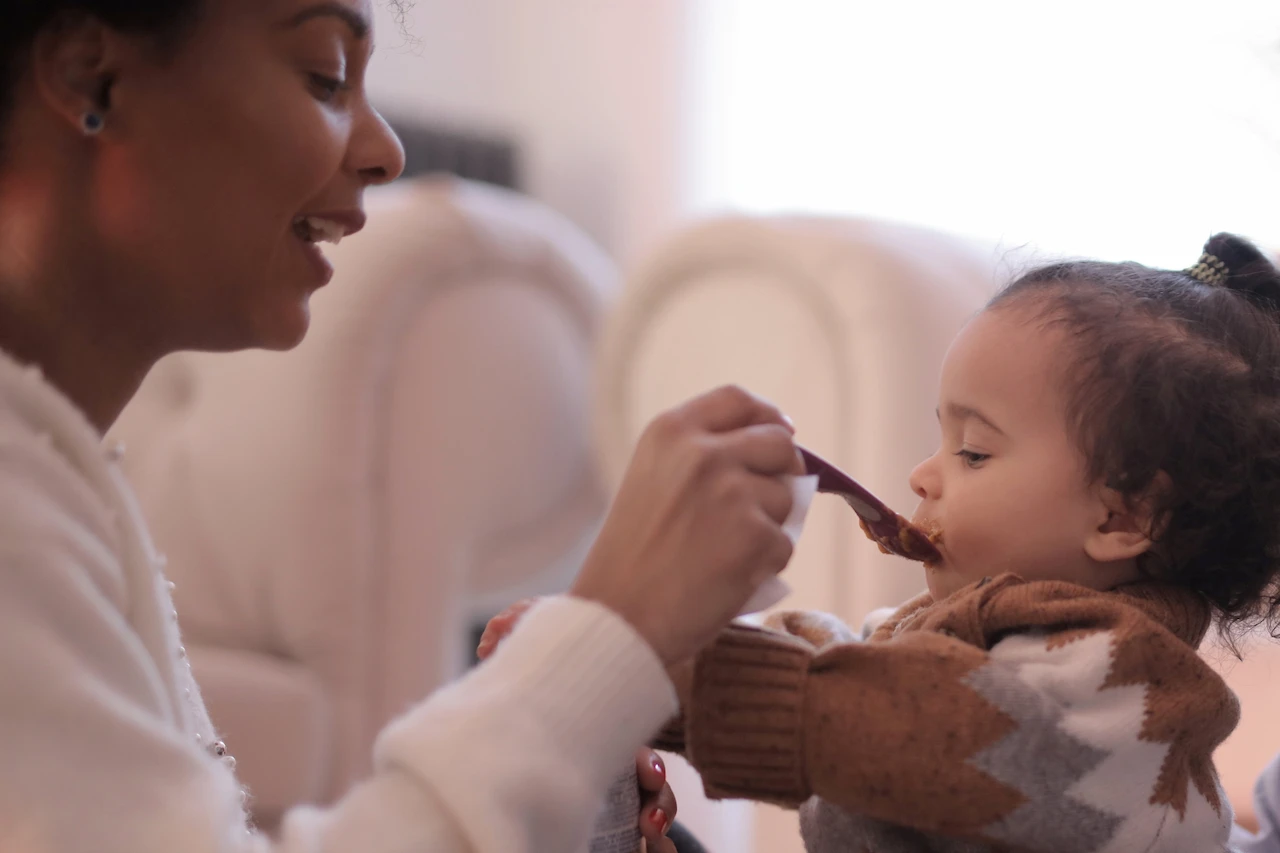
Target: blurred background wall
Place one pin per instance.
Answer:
(1114, 128)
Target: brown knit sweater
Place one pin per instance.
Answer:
(1012, 715)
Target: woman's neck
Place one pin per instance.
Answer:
(61, 306)
(97, 376)
(56, 310)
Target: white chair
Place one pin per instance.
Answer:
(337, 518)
(844, 324)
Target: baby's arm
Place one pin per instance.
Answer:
(818, 629)
(1089, 718)
(815, 629)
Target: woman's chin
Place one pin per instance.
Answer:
(285, 327)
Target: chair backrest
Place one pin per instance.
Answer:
(335, 517)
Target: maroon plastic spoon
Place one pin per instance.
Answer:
(893, 533)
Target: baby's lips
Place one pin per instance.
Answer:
(926, 537)
(889, 530)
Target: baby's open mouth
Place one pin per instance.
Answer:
(932, 531)
(909, 537)
(888, 529)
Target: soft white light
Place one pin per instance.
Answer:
(1110, 128)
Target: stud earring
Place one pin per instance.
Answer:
(92, 123)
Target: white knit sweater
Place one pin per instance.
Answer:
(103, 735)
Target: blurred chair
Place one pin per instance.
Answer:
(842, 323)
(337, 518)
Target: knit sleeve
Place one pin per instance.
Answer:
(1068, 715)
(814, 629)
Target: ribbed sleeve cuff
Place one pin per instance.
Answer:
(595, 680)
(574, 681)
(743, 729)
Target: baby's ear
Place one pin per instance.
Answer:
(1127, 530)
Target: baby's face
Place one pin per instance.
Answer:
(1007, 489)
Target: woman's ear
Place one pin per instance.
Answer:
(1127, 528)
(72, 65)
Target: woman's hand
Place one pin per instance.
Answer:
(657, 802)
(696, 526)
(502, 625)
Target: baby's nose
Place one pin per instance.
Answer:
(923, 480)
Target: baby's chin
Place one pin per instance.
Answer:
(943, 580)
(940, 584)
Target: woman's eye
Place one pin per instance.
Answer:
(973, 459)
(327, 88)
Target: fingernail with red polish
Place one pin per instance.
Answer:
(659, 819)
(659, 768)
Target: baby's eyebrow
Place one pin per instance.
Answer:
(964, 413)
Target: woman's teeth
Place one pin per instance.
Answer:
(313, 229)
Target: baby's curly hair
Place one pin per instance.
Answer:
(1173, 393)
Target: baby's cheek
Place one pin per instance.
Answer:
(976, 550)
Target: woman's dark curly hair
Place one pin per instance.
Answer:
(1173, 394)
(22, 20)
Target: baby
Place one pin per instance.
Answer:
(1108, 487)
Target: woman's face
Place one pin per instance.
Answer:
(214, 156)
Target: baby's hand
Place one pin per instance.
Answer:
(817, 629)
(502, 625)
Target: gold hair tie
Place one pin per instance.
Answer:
(1210, 270)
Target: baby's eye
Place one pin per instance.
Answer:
(973, 459)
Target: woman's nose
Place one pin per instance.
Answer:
(375, 152)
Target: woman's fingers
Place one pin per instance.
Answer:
(731, 407)
(650, 770)
(657, 800)
(657, 814)
(695, 526)
(767, 449)
(661, 845)
(502, 625)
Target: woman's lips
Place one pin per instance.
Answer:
(321, 267)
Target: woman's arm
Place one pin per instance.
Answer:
(512, 758)
(515, 756)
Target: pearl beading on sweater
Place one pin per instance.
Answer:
(115, 455)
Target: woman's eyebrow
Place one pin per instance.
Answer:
(358, 23)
